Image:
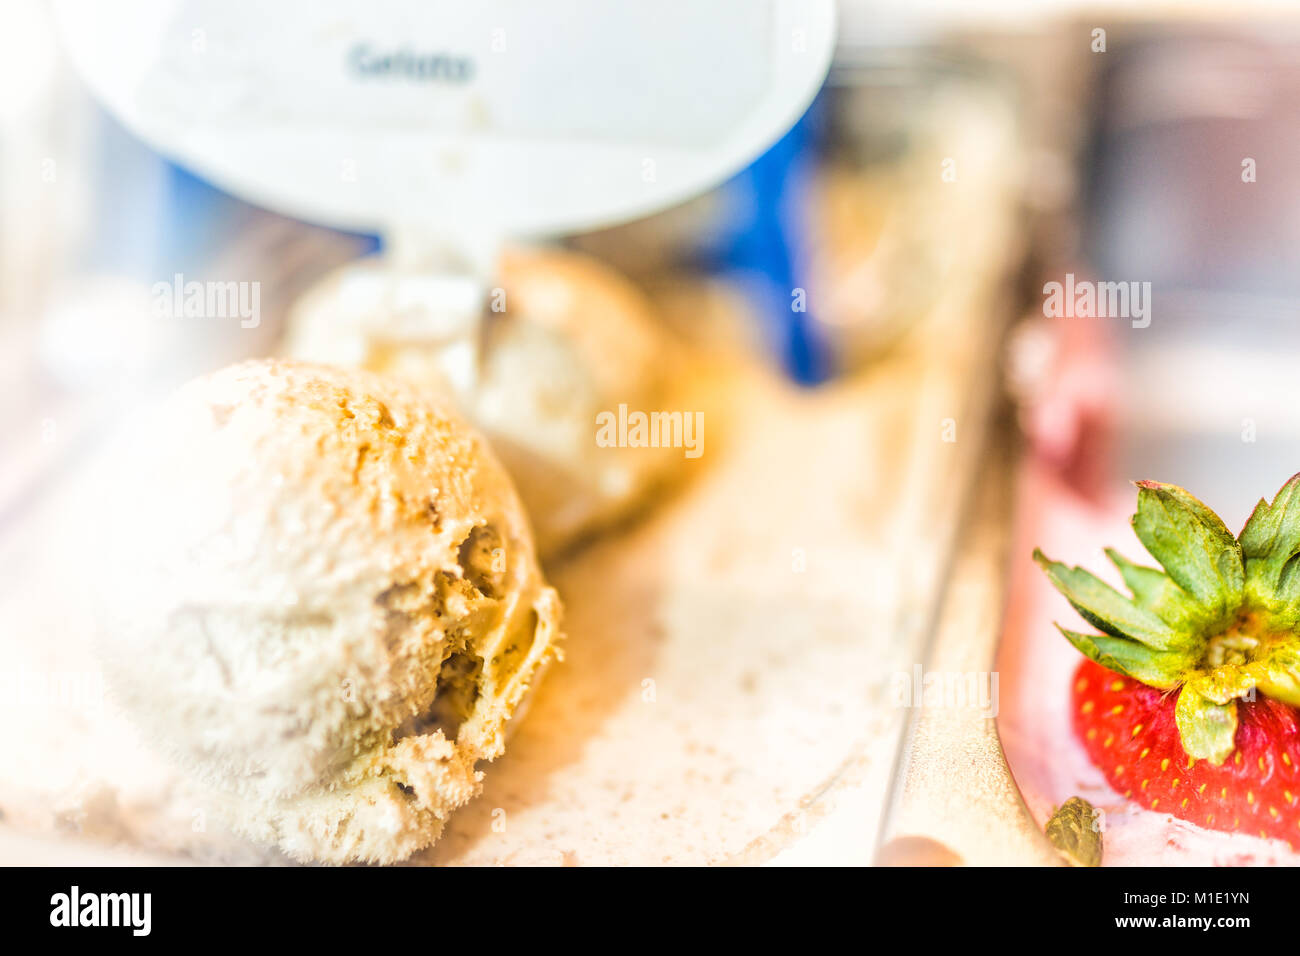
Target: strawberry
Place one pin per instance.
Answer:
(1188, 701)
(1131, 734)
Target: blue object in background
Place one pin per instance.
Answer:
(761, 246)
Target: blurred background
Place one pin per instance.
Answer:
(958, 159)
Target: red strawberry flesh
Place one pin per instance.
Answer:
(1129, 732)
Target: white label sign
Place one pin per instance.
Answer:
(524, 117)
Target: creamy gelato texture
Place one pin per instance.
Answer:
(561, 339)
(323, 603)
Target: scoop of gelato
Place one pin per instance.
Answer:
(532, 363)
(323, 603)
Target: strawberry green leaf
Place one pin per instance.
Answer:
(1269, 543)
(1219, 623)
(1155, 591)
(1105, 608)
(1193, 545)
(1207, 729)
(1159, 669)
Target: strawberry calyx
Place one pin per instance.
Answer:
(1217, 622)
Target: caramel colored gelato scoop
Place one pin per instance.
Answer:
(559, 341)
(324, 604)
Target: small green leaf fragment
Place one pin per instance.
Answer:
(1075, 830)
(1207, 729)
